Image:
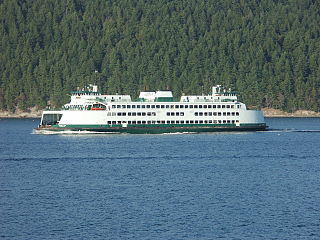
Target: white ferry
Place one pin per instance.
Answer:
(153, 112)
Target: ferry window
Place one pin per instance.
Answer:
(233, 113)
(118, 114)
(191, 106)
(206, 114)
(214, 106)
(210, 113)
(187, 121)
(214, 114)
(138, 106)
(134, 114)
(138, 113)
(167, 106)
(233, 121)
(224, 121)
(113, 114)
(162, 106)
(128, 106)
(134, 122)
(223, 106)
(195, 106)
(185, 106)
(182, 122)
(124, 114)
(114, 122)
(123, 106)
(177, 122)
(196, 114)
(191, 121)
(153, 113)
(172, 106)
(200, 106)
(168, 114)
(237, 114)
(205, 106)
(118, 106)
(109, 114)
(133, 106)
(177, 114)
(143, 106)
(143, 122)
(149, 122)
(172, 114)
(129, 113)
(153, 106)
(224, 114)
(172, 122)
(219, 113)
(237, 121)
(239, 106)
(109, 122)
(158, 106)
(209, 106)
(158, 122)
(139, 122)
(177, 106)
(205, 121)
(196, 121)
(210, 121)
(228, 121)
(163, 122)
(129, 122)
(153, 122)
(149, 113)
(200, 114)
(214, 121)
(232, 106)
(181, 106)
(228, 113)
(143, 114)
(218, 106)
(168, 121)
(148, 106)
(113, 106)
(182, 114)
(228, 106)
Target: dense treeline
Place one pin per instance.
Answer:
(267, 50)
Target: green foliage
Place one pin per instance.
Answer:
(266, 50)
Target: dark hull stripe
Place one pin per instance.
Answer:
(155, 130)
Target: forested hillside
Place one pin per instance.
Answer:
(267, 50)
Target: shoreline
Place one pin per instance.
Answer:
(267, 112)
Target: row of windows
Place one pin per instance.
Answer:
(175, 113)
(177, 122)
(216, 114)
(174, 106)
(132, 114)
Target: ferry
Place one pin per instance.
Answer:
(153, 112)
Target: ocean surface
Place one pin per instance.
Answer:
(256, 185)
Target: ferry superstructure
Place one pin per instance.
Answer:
(153, 112)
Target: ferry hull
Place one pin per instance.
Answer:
(155, 129)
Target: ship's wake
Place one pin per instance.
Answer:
(47, 132)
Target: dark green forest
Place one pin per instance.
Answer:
(267, 50)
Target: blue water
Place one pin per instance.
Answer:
(259, 185)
